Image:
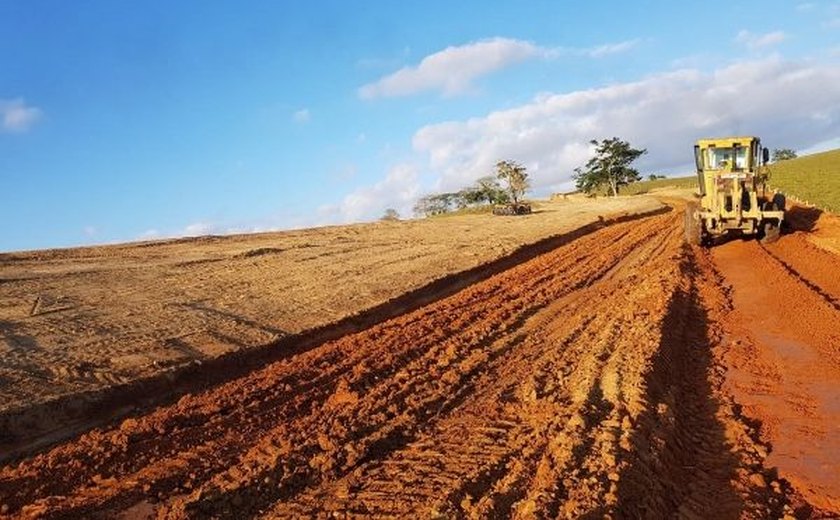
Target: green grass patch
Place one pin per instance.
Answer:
(814, 179)
(638, 188)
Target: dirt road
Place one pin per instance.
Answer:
(621, 373)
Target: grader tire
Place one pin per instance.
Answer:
(693, 228)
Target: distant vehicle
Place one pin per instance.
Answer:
(513, 208)
(731, 173)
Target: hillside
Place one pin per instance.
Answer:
(642, 187)
(814, 179)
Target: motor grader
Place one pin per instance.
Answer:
(732, 176)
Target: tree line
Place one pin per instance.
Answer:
(509, 184)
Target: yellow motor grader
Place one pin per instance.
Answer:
(732, 176)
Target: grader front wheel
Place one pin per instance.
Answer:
(771, 230)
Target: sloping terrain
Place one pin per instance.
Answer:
(81, 329)
(814, 179)
(619, 373)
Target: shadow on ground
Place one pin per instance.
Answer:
(681, 463)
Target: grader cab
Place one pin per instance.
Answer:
(732, 177)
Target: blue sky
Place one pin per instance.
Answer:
(122, 121)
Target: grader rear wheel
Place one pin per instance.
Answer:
(693, 226)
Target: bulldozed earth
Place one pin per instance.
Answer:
(608, 369)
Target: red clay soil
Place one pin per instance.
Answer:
(621, 374)
(783, 354)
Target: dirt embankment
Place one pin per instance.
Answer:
(613, 375)
(90, 332)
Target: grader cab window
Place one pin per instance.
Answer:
(734, 158)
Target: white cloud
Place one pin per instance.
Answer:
(453, 69)
(610, 48)
(805, 6)
(665, 113)
(90, 231)
(16, 116)
(833, 23)
(302, 116)
(399, 190)
(757, 41)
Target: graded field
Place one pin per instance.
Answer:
(79, 325)
(614, 371)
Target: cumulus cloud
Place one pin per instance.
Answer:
(453, 70)
(399, 190)
(757, 41)
(302, 116)
(665, 113)
(16, 116)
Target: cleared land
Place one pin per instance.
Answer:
(618, 372)
(89, 333)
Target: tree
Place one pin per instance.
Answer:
(783, 154)
(610, 167)
(390, 215)
(485, 190)
(515, 177)
(436, 204)
(653, 177)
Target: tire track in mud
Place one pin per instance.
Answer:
(578, 383)
(812, 266)
(30, 428)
